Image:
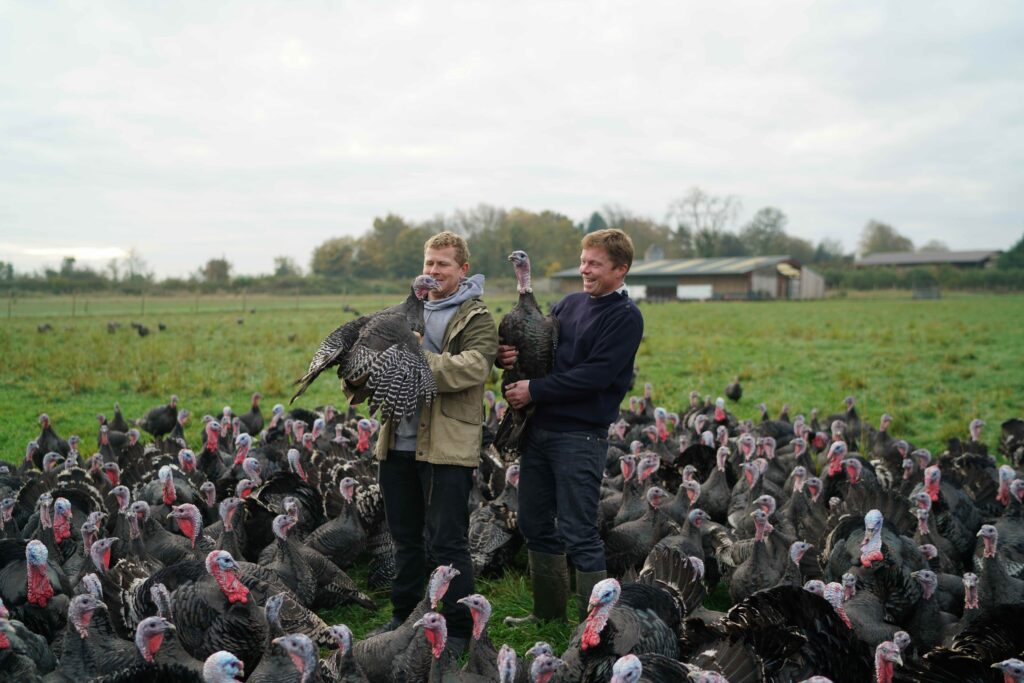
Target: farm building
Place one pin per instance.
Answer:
(911, 259)
(739, 277)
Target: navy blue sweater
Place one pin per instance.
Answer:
(597, 343)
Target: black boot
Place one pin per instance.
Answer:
(549, 578)
(585, 582)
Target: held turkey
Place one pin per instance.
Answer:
(380, 357)
(535, 337)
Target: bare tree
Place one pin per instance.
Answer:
(113, 269)
(700, 210)
(136, 266)
(479, 219)
(700, 219)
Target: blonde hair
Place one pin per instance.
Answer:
(449, 239)
(614, 242)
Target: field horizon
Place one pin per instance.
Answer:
(933, 365)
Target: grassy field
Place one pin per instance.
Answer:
(933, 365)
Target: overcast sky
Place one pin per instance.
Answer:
(190, 130)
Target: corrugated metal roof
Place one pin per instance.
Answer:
(918, 258)
(732, 265)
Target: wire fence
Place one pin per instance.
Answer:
(76, 306)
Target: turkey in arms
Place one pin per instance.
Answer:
(379, 357)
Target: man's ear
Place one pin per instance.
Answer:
(465, 268)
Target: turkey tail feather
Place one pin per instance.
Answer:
(305, 381)
(508, 439)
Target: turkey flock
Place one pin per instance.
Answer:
(848, 554)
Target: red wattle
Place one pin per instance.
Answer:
(154, 645)
(1003, 496)
(436, 644)
(39, 589)
(61, 529)
(300, 665)
(232, 588)
(719, 415)
(188, 528)
(874, 556)
(592, 631)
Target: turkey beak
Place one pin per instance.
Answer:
(419, 622)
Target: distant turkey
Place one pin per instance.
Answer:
(535, 337)
(160, 421)
(380, 357)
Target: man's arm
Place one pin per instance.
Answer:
(471, 366)
(614, 348)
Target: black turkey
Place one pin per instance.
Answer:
(734, 390)
(380, 357)
(160, 421)
(535, 337)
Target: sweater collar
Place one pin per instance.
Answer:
(621, 291)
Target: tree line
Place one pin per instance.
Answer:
(697, 224)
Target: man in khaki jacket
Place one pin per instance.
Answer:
(427, 460)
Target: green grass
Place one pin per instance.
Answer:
(933, 365)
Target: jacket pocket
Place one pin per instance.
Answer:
(461, 406)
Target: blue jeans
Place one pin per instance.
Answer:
(560, 480)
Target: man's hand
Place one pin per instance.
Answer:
(507, 356)
(518, 394)
(419, 337)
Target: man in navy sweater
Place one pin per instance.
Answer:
(566, 445)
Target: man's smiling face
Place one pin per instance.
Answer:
(600, 276)
(441, 265)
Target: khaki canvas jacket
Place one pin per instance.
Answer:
(452, 425)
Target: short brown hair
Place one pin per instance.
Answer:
(449, 239)
(615, 243)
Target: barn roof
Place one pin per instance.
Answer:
(920, 258)
(732, 265)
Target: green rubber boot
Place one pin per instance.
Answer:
(585, 582)
(549, 578)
